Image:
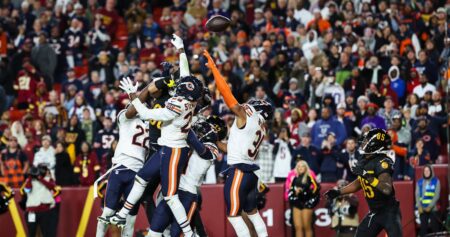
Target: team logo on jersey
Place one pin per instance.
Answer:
(190, 86)
(426, 138)
(384, 165)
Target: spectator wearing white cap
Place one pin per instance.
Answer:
(340, 116)
(46, 155)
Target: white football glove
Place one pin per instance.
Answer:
(177, 41)
(127, 85)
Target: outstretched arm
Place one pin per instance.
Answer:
(225, 91)
(177, 42)
(353, 187)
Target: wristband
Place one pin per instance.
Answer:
(375, 182)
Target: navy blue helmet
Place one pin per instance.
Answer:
(219, 126)
(263, 107)
(190, 88)
(205, 132)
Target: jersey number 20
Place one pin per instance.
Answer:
(141, 132)
(259, 138)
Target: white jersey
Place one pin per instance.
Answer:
(196, 169)
(282, 164)
(177, 119)
(133, 144)
(243, 143)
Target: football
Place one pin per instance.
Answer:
(217, 23)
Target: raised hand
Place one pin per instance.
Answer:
(127, 85)
(210, 63)
(177, 42)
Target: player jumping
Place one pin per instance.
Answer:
(202, 139)
(129, 157)
(246, 135)
(171, 159)
(375, 178)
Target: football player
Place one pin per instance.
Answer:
(374, 173)
(171, 159)
(246, 135)
(202, 139)
(129, 157)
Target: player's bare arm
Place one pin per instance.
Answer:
(225, 91)
(353, 187)
(382, 183)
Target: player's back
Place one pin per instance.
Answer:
(196, 169)
(243, 143)
(133, 142)
(174, 132)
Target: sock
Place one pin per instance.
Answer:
(259, 224)
(179, 213)
(153, 234)
(101, 227)
(129, 227)
(134, 196)
(239, 226)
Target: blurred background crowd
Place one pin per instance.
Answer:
(332, 69)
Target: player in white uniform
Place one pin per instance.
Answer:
(172, 158)
(202, 140)
(246, 135)
(129, 157)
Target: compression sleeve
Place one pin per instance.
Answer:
(160, 114)
(224, 89)
(184, 65)
(199, 147)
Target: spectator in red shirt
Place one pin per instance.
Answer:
(86, 165)
(109, 17)
(25, 85)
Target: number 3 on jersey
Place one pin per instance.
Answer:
(256, 143)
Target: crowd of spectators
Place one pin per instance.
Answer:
(332, 69)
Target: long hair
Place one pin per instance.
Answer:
(307, 170)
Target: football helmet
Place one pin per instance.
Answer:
(205, 132)
(375, 141)
(219, 126)
(189, 88)
(262, 107)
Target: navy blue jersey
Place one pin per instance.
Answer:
(155, 126)
(104, 139)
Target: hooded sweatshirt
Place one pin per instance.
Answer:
(397, 83)
(426, 182)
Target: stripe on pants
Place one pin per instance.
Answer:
(173, 166)
(235, 192)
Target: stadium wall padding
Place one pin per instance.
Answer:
(78, 214)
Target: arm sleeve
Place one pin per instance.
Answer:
(184, 65)
(195, 143)
(49, 184)
(161, 114)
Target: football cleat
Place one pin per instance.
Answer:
(117, 221)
